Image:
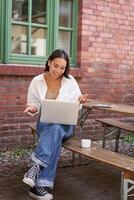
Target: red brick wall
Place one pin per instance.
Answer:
(105, 61)
(106, 48)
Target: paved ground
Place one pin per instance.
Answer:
(90, 181)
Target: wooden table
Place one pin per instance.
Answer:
(121, 108)
(100, 105)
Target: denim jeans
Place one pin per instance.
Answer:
(48, 149)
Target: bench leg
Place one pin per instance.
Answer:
(33, 131)
(117, 140)
(107, 133)
(34, 137)
(127, 185)
(81, 136)
(104, 138)
(124, 187)
(73, 157)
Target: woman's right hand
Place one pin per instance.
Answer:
(30, 109)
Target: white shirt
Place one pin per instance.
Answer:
(69, 90)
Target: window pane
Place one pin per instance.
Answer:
(39, 11)
(19, 39)
(65, 13)
(20, 10)
(65, 41)
(38, 46)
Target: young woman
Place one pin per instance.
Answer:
(55, 83)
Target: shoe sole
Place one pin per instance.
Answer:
(40, 198)
(29, 182)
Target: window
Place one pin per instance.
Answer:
(35, 28)
(66, 33)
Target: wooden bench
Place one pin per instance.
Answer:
(124, 163)
(116, 126)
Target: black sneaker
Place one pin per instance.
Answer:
(40, 193)
(30, 176)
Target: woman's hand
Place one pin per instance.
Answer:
(30, 109)
(83, 98)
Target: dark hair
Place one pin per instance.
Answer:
(59, 53)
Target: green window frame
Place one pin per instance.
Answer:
(56, 34)
(1, 32)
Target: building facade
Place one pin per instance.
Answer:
(98, 36)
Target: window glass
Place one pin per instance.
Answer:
(66, 32)
(20, 10)
(38, 46)
(39, 11)
(65, 13)
(27, 39)
(65, 41)
(19, 39)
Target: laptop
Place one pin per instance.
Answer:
(61, 112)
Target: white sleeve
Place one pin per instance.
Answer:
(33, 97)
(76, 89)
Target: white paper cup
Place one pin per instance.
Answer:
(86, 143)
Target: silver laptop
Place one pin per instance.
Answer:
(61, 112)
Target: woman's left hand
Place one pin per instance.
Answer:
(83, 98)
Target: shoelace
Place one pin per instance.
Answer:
(41, 191)
(34, 171)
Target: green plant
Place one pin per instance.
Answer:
(19, 151)
(128, 138)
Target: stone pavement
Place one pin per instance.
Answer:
(89, 181)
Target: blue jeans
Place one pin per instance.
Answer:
(48, 149)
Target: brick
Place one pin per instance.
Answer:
(106, 35)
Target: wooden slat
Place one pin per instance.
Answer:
(118, 160)
(118, 124)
